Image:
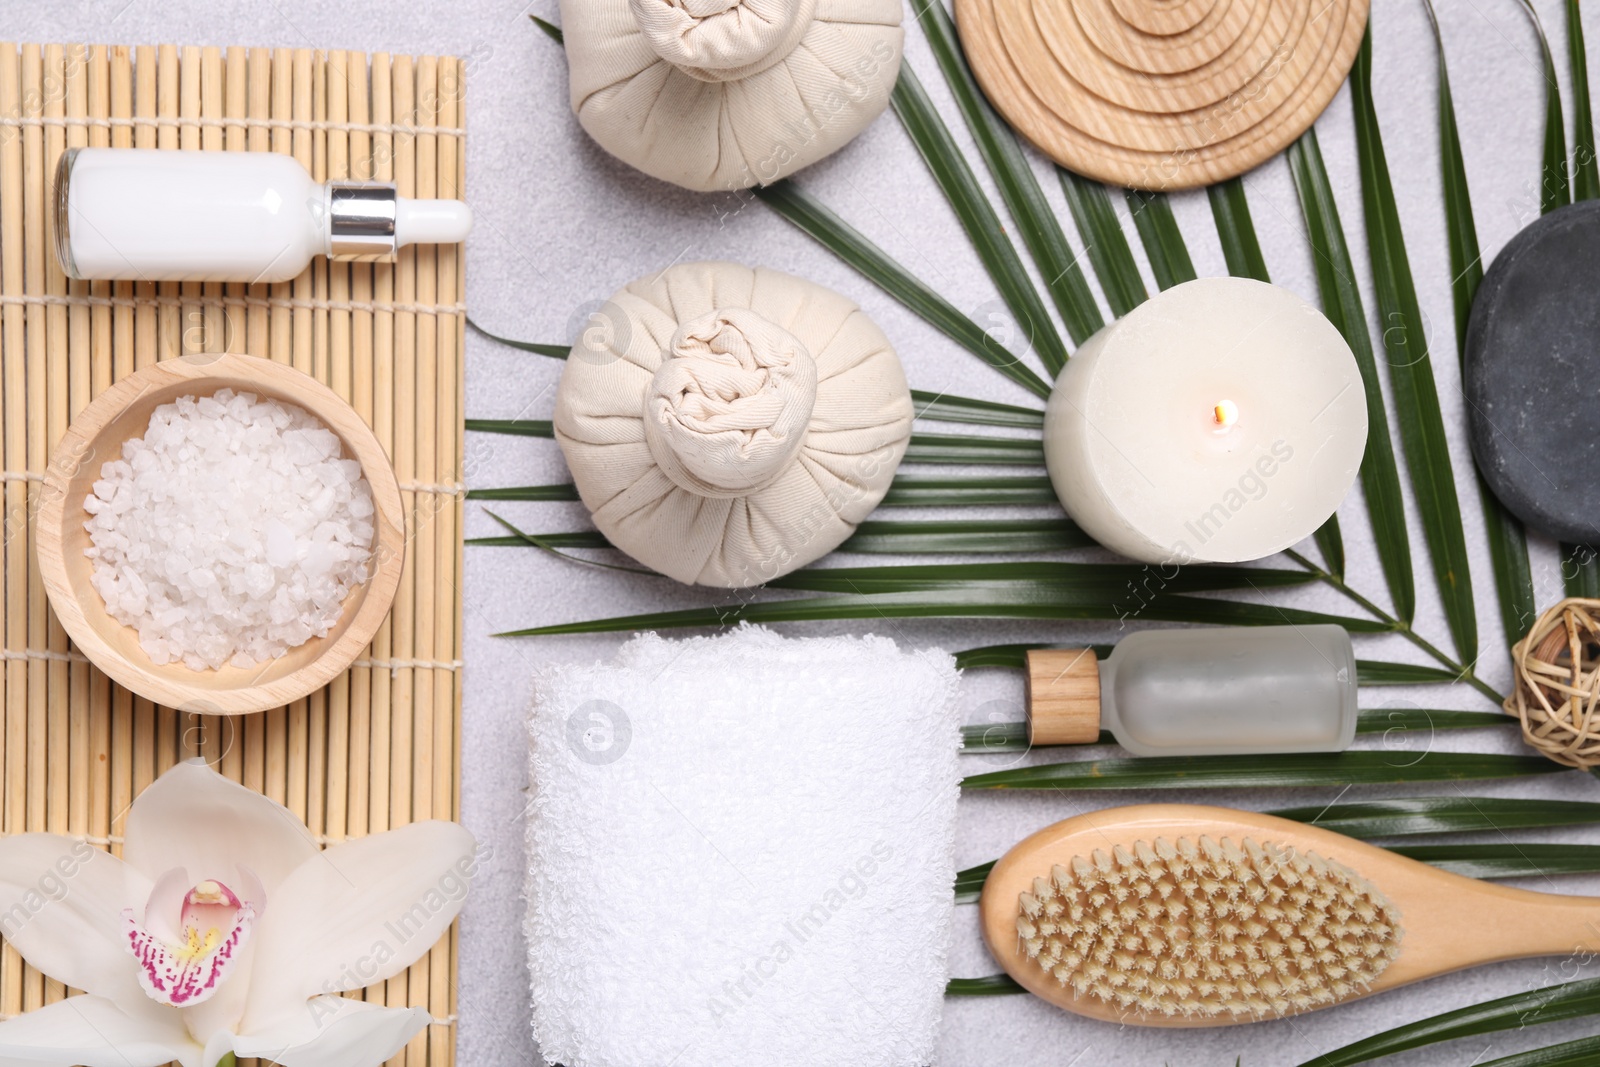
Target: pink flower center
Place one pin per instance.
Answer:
(183, 966)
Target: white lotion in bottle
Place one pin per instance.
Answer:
(143, 214)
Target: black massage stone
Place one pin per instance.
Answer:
(1532, 374)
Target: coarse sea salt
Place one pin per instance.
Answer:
(231, 532)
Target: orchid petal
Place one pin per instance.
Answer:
(332, 1031)
(94, 1032)
(61, 904)
(193, 817)
(362, 912)
(165, 906)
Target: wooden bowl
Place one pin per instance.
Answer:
(97, 435)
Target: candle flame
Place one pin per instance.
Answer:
(1225, 413)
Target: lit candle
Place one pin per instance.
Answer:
(1222, 420)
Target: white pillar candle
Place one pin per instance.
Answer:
(1222, 420)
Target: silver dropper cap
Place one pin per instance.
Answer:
(361, 220)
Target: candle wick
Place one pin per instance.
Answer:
(1225, 414)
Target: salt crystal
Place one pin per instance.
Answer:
(231, 532)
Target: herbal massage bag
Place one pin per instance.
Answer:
(729, 424)
(726, 94)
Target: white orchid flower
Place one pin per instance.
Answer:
(223, 932)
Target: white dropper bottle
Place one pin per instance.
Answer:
(144, 214)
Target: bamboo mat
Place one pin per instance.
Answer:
(380, 746)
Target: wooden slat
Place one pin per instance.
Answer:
(378, 748)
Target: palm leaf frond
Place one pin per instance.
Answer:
(993, 985)
(983, 739)
(1019, 186)
(978, 217)
(1411, 370)
(1104, 242)
(974, 600)
(1508, 543)
(1585, 167)
(1163, 242)
(912, 491)
(1342, 304)
(945, 407)
(1570, 1000)
(851, 245)
(1296, 771)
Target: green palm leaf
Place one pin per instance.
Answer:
(553, 351)
(1585, 167)
(513, 427)
(1341, 302)
(1104, 241)
(1414, 816)
(1163, 242)
(1507, 861)
(993, 985)
(984, 739)
(911, 491)
(1570, 1000)
(974, 600)
(562, 491)
(1018, 185)
(962, 448)
(1508, 543)
(1369, 672)
(1295, 771)
(852, 246)
(954, 175)
(969, 883)
(881, 537)
(1237, 230)
(1014, 656)
(1108, 579)
(1579, 566)
(1411, 372)
(905, 491)
(1555, 187)
(552, 30)
(1375, 673)
(1583, 1052)
(943, 407)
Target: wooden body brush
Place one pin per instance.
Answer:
(1182, 915)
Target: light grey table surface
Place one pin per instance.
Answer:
(560, 225)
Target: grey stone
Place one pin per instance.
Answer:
(1532, 374)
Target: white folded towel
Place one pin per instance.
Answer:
(741, 852)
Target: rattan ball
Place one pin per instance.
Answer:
(1556, 692)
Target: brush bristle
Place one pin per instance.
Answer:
(1205, 930)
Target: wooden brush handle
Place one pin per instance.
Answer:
(1453, 922)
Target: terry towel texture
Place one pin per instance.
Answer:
(741, 852)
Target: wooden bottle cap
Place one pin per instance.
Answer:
(1161, 95)
(1063, 696)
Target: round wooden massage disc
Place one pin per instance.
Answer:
(1161, 94)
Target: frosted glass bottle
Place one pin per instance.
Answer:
(1201, 692)
(145, 214)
